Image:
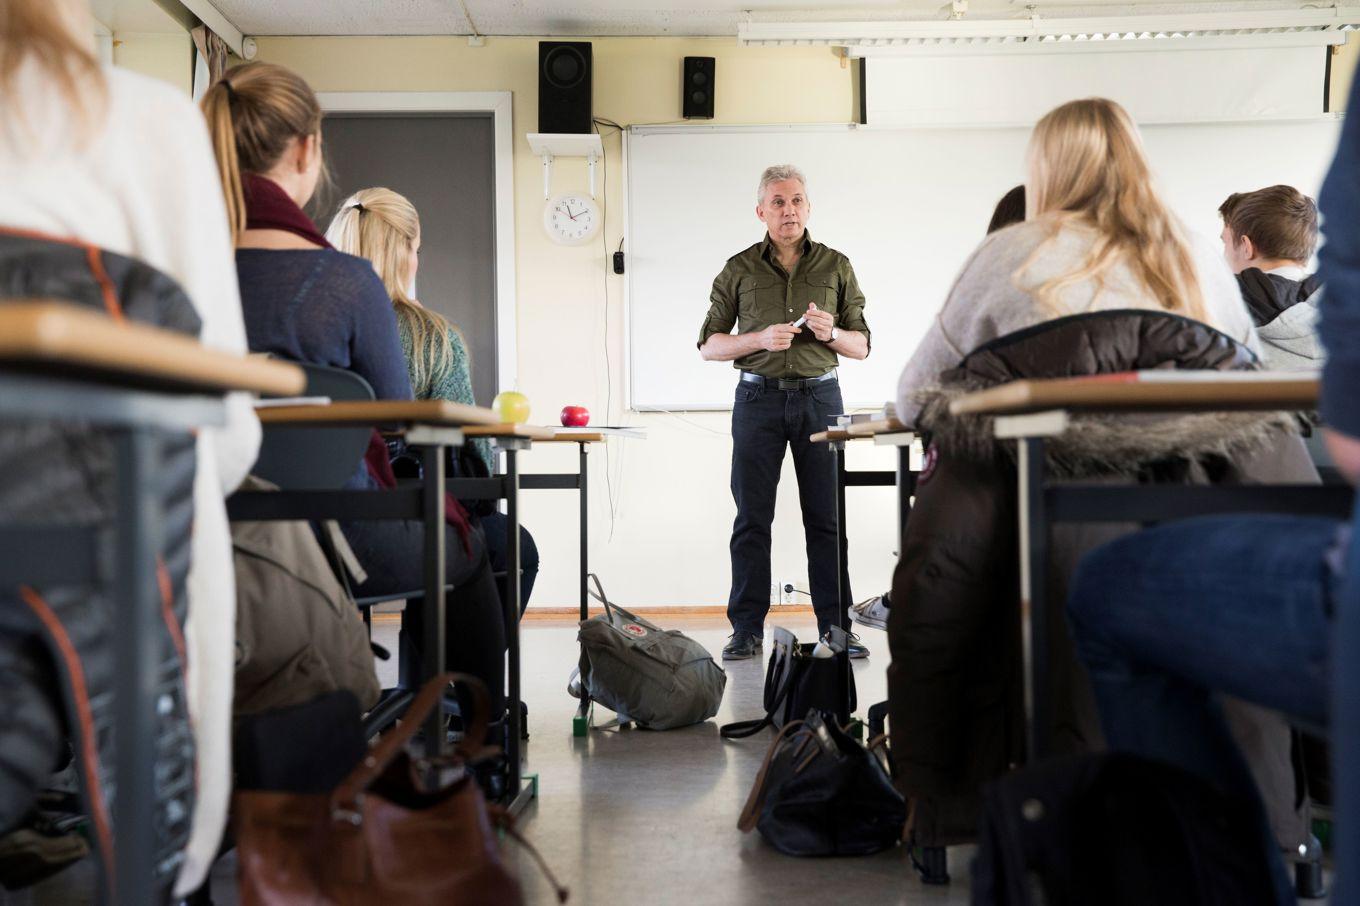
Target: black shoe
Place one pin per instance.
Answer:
(741, 646)
(855, 649)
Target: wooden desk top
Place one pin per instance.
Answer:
(1150, 391)
(533, 432)
(440, 413)
(575, 437)
(66, 337)
(822, 437)
(878, 426)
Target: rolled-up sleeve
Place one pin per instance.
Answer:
(852, 304)
(722, 307)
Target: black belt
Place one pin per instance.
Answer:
(787, 383)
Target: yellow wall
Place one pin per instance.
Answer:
(661, 519)
(1344, 57)
(163, 56)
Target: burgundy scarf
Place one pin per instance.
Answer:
(268, 207)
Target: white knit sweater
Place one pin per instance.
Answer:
(145, 185)
(987, 300)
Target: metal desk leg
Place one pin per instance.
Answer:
(906, 489)
(581, 723)
(513, 743)
(842, 608)
(434, 623)
(136, 660)
(1034, 540)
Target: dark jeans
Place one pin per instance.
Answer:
(764, 423)
(393, 555)
(498, 549)
(1165, 618)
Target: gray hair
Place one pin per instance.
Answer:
(779, 173)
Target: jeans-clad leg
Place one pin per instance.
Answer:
(498, 550)
(807, 413)
(1345, 725)
(757, 456)
(1166, 618)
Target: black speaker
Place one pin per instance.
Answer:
(697, 92)
(564, 86)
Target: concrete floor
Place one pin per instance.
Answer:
(647, 817)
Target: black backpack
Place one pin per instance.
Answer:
(1117, 830)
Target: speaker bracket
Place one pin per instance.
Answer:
(551, 145)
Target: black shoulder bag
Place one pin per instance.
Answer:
(795, 683)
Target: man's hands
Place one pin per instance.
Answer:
(777, 337)
(821, 323)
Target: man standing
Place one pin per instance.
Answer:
(788, 391)
(1268, 237)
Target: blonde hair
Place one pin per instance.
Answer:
(1087, 166)
(383, 226)
(253, 112)
(45, 31)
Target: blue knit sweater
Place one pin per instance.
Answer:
(324, 307)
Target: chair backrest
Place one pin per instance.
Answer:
(313, 459)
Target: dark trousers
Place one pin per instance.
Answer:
(498, 550)
(765, 422)
(393, 555)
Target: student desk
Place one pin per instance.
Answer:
(883, 432)
(59, 361)
(1028, 412)
(583, 439)
(431, 428)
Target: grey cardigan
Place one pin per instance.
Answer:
(989, 300)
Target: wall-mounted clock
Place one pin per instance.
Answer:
(571, 218)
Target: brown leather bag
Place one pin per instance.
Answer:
(380, 837)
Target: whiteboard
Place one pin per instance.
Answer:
(906, 205)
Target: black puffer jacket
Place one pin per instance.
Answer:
(954, 683)
(56, 644)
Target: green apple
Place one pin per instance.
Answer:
(512, 406)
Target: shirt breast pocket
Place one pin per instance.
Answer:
(824, 290)
(755, 296)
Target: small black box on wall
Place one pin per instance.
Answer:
(564, 86)
(697, 91)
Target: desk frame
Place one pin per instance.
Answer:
(1041, 503)
(139, 420)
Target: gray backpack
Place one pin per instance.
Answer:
(656, 678)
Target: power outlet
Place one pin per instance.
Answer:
(786, 591)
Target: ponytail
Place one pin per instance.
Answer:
(253, 112)
(216, 106)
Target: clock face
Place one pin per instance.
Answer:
(572, 219)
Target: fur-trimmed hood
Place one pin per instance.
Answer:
(1102, 343)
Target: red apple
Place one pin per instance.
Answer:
(575, 416)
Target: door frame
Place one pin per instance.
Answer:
(498, 104)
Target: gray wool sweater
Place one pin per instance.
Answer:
(989, 301)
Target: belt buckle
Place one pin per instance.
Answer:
(790, 384)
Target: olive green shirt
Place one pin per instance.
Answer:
(754, 291)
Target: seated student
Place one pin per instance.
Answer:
(1268, 237)
(1167, 619)
(307, 302)
(1099, 279)
(1010, 209)
(383, 226)
(122, 162)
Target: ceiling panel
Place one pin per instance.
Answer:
(600, 18)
